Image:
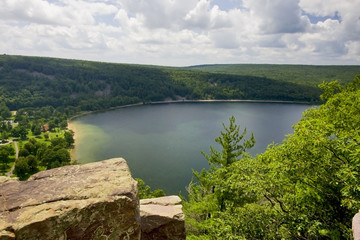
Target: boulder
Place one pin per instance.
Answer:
(92, 201)
(356, 226)
(162, 219)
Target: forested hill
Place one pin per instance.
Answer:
(86, 85)
(308, 75)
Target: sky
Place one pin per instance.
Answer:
(184, 32)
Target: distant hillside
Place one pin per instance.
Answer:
(299, 74)
(86, 85)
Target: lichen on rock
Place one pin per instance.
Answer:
(91, 201)
(162, 218)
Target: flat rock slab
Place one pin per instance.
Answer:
(92, 201)
(5, 179)
(162, 218)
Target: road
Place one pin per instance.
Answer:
(10, 173)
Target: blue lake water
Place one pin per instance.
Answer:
(162, 143)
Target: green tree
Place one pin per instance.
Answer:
(63, 124)
(31, 146)
(233, 145)
(52, 125)
(208, 196)
(25, 166)
(24, 152)
(55, 157)
(32, 163)
(69, 137)
(146, 192)
(46, 136)
(4, 135)
(304, 188)
(5, 153)
(36, 129)
(22, 168)
(58, 143)
(4, 159)
(4, 111)
(20, 131)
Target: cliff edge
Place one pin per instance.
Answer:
(91, 201)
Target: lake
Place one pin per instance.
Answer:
(162, 143)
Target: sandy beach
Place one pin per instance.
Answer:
(72, 127)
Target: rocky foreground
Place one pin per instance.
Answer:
(92, 201)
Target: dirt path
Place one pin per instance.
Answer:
(10, 173)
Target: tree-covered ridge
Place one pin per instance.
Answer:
(308, 75)
(37, 82)
(205, 85)
(305, 188)
(85, 85)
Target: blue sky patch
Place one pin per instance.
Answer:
(315, 19)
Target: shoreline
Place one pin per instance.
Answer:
(186, 101)
(103, 110)
(71, 127)
(228, 100)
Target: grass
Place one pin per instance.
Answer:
(39, 138)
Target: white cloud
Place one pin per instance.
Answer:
(199, 16)
(225, 39)
(328, 7)
(205, 17)
(159, 13)
(277, 16)
(184, 32)
(354, 50)
(65, 12)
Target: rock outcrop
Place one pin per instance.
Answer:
(356, 226)
(162, 218)
(5, 179)
(92, 201)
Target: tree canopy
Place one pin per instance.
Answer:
(304, 188)
(74, 85)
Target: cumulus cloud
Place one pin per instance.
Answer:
(54, 13)
(277, 16)
(327, 7)
(203, 16)
(158, 13)
(225, 39)
(199, 16)
(184, 32)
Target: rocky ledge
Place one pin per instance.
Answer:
(162, 218)
(92, 201)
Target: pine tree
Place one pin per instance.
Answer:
(207, 196)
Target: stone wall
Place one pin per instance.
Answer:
(92, 201)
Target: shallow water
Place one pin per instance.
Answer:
(162, 143)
